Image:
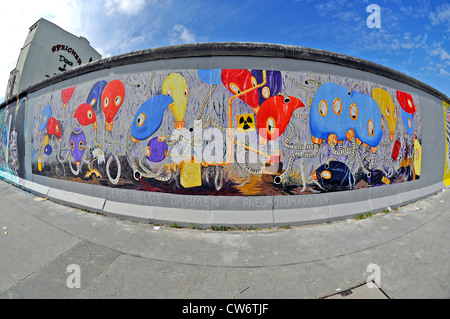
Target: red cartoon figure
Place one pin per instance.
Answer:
(275, 114)
(241, 82)
(85, 115)
(54, 128)
(112, 99)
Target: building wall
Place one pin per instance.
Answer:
(49, 50)
(227, 140)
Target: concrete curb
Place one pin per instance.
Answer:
(225, 218)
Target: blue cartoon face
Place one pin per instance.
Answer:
(46, 113)
(149, 117)
(408, 121)
(334, 111)
(95, 96)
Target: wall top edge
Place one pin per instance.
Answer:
(250, 49)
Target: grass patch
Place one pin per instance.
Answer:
(363, 216)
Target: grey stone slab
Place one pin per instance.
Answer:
(60, 196)
(431, 189)
(182, 217)
(35, 188)
(348, 210)
(90, 203)
(58, 276)
(139, 213)
(242, 218)
(132, 277)
(29, 244)
(351, 196)
(381, 203)
(301, 216)
(410, 196)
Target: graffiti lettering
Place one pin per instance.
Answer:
(116, 194)
(299, 201)
(63, 59)
(59, 47)
(257, 202)
(147, 197)
(194, 202)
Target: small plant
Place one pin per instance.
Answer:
(221, 228)
(174, 225)
(363, 216)
(286, 226)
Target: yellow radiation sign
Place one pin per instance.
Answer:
(246, 123)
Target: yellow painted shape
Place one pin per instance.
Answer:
(45, 142)
(417, 156)
(387, 107)
(175, 86)
(190, 174)
(446, 108)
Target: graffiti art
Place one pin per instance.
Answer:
(225, 132)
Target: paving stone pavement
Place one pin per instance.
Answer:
(49, 250)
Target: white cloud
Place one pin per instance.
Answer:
(444, 72)
(441, 15)
(180, 35)
(437, 50)
(129, 7)
(112, 27)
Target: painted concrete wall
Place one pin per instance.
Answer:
(237, 135)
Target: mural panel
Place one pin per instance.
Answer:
(12, 142)
(447, 143)
(228, 132)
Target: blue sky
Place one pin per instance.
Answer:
(414, 37)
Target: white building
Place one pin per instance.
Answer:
(48, 50)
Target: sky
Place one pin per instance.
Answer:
(413, 36)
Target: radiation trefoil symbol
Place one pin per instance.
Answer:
(246, 123)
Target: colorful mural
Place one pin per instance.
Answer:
(447, 143)
(226, 132)
(12, 142)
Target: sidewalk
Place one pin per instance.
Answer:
(405, 250)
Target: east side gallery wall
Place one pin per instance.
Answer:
(237, 134)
